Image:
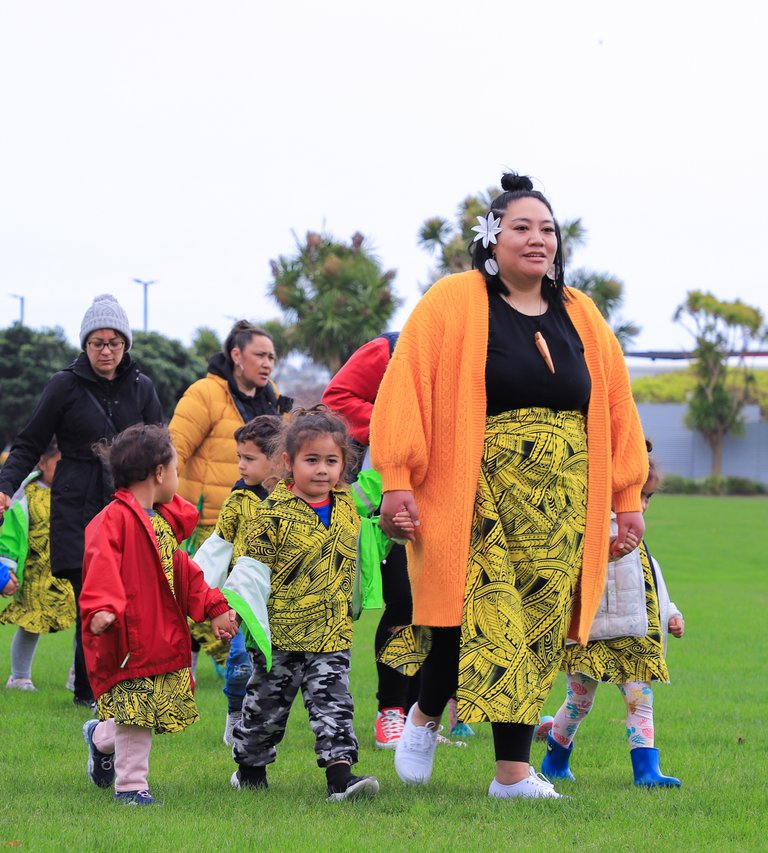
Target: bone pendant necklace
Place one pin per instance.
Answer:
(538, 338)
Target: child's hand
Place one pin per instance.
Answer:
(224, 625)
(676, 626)
(101, 620)
(617, 550)
(405, 525)
(11, 587)
(631, 527)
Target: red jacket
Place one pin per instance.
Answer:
(122, 573)
(352, 391)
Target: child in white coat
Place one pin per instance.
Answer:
(626, 647)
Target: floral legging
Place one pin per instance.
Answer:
(580, 696)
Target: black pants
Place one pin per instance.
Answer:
(82, 685)
(395, 689)
(439, 680)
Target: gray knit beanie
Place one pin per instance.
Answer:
(105, 313)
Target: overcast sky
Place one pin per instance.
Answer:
(186, 141)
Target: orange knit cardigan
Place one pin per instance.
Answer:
(427, 436)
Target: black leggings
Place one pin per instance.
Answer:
(82, 685)
(439, 680)
(395, 689)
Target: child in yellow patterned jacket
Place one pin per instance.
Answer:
(257, 445)
(301, 549)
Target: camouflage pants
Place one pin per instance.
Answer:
(323, 678)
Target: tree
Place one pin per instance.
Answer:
(205, 342)
(718, 328)
(169, 364)
(334, 296)
(450, 241)
(607, 292)
(28, 359)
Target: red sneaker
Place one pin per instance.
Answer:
(388, 727)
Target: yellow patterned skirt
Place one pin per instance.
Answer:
(164, 702)
(524, 565)
(624, 659)
(44, 604)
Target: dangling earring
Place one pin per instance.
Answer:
(552, 276)
(491, 267)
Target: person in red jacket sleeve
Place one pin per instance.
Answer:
(139, 588)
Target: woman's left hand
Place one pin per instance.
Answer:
(631, 527)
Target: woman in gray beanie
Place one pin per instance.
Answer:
(100, 394)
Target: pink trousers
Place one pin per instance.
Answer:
(131, 745)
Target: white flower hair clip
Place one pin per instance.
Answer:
(487, 230)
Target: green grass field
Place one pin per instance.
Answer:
(710, 726)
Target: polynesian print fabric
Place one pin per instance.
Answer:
(524, 564)
(164, 702)
(202, 631)
(237, 513)
(43, 604)
(313, 569)
(625, 659)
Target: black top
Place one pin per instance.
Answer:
(517, 377)
(258, 490)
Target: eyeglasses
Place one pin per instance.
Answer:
(270, 356)
(98, 345)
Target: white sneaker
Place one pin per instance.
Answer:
(415, 751)
(233, 718)
(535, 786)
(20, 684)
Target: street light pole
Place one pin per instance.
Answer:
(145, 285)
(21, 305)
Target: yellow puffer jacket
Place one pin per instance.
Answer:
(202, 429)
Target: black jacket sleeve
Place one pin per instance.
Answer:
(35, 436)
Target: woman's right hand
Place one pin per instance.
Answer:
(391, 504)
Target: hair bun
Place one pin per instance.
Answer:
(512, 182)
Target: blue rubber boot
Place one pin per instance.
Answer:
(645, 765)
(555, 764)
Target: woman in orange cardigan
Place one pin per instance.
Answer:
(505, 425)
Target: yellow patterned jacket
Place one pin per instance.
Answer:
(312, 569)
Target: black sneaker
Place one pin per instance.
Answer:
(354, 788)
(250, 779)
(101, 765)
(136, 798)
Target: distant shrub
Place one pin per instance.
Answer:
(715, 485)
(674, 484)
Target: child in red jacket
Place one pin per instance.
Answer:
(138, 589)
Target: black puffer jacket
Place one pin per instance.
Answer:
(79, 408)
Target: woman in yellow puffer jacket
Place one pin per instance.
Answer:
(236, 389)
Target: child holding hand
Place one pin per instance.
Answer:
(42, 604)
(257, 460)
(293, 591)
(626, 648)
(138, 589)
